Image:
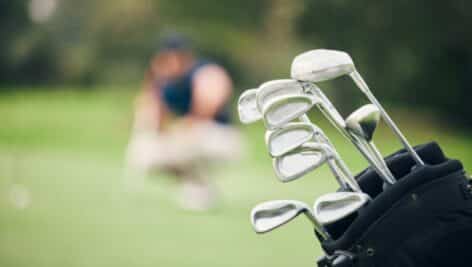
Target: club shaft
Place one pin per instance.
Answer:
(318, 136)
(318, 227)
(333, 116)
(351, 180)
(357, 78)
(376, 162)
(389, 178)
(347, 181)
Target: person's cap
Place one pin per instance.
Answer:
(174, 41)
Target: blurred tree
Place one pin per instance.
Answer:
(414, 53)
(280, 21)
(14, 23)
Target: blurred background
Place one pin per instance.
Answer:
(69, 71)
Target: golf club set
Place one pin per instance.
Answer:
(349, 222)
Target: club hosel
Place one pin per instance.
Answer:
(324, 147)
(325, 106)
(318, 227)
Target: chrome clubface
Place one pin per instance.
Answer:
(364, 121)
(281, 101)
(284, 109)
(321, 65)
(277, 88)
(300, 161)
(288, 138)
(247, 107)
(272, 214)
(333, 207)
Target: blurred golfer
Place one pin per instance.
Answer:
(181, 123)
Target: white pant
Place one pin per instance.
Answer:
(181, 147)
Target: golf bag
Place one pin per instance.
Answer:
(423, 220)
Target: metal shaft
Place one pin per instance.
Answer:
(337, 166)
(389, 179)
(374, 158)
(318, 227)
(357, 78)
(375, 150)
(333, 116)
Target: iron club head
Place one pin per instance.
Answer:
(283, 109)
(281, 101)
(333, 207)
(364, 121)
(289, 137)
(321, 65)
(302, 160)
(269, 215)
(276, 88)
(247, 107)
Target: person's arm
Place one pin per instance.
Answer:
(150, 111)
(211, 88)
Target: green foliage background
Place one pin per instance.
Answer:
(416, 54)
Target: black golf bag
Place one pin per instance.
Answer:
(423, 220)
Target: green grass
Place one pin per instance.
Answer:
(66, 147)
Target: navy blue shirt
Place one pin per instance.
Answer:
(177, 95)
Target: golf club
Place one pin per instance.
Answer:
(363, 123)
(342, 174)
(249, 113)
(280, 101)
(247, 107)
(283, 109)
(275, 88)
(289, 137)
(269, 215)
(298, 162)
(328, 109)
(333, 207)
(295, 134)
(322, 65)
(306, 158)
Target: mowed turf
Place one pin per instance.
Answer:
(65, 201)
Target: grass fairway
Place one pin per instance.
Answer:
(66, 149)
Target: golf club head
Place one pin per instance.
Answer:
(269, 215)
(300, 161)
(321, 65)
(333, 207)
(276, 88)
(289, 137)
(247, 107)
(364, 121)
(286, 108)
(267, 134)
